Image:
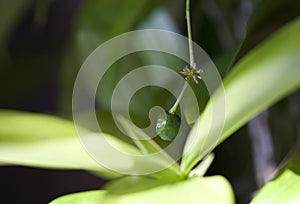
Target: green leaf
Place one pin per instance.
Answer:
(264, 76)
(132, 184)
(284, 188)
(132, 189)
(45, 141)
(89, 197)
(208, 190)
(23, 127)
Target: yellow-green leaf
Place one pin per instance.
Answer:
(208, 190)
(264, 76)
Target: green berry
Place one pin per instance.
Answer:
(167, 126)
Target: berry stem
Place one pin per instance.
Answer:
(175, 106)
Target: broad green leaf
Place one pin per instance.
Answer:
(284, 188)
(264, 76)
(208, 190)
(23, 127)
(135, 189)
(43, 141)
(88, 197)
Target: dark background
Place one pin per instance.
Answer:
(40, 56)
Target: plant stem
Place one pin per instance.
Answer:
(189, 30)
(191, 53)
(175, 106)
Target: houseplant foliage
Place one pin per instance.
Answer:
(268, 73)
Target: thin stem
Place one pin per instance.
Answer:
(188, 23)
(175, 106)
(191, 53)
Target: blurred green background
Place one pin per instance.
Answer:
(44, 42)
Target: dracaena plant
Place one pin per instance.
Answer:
(266, 74)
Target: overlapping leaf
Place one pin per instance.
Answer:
(208, 190)
(264, 76)
(45, 141)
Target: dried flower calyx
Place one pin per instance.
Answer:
(191, 72)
